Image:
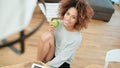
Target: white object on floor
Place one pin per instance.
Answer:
(15, 15)
(112, 56)
(34, 65)
(51, 10)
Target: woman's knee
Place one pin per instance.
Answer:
(46, 36)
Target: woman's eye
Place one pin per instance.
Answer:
(74, 17)
(68, 13)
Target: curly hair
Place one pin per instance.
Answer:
(84, 10)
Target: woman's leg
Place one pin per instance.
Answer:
(51, 52)
(46, 47)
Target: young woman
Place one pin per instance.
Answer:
(58, 45)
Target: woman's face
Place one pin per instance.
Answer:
(70, 17)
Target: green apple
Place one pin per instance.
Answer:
(55, 23)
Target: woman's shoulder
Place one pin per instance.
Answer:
(78, 35)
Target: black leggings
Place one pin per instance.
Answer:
(65, 65)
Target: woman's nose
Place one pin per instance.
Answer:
(68, 17)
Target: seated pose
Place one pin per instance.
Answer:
(57, 46)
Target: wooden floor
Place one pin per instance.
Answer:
(97, 40)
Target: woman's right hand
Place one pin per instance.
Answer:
(51, 27)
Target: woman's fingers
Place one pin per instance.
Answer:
(51, 27)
